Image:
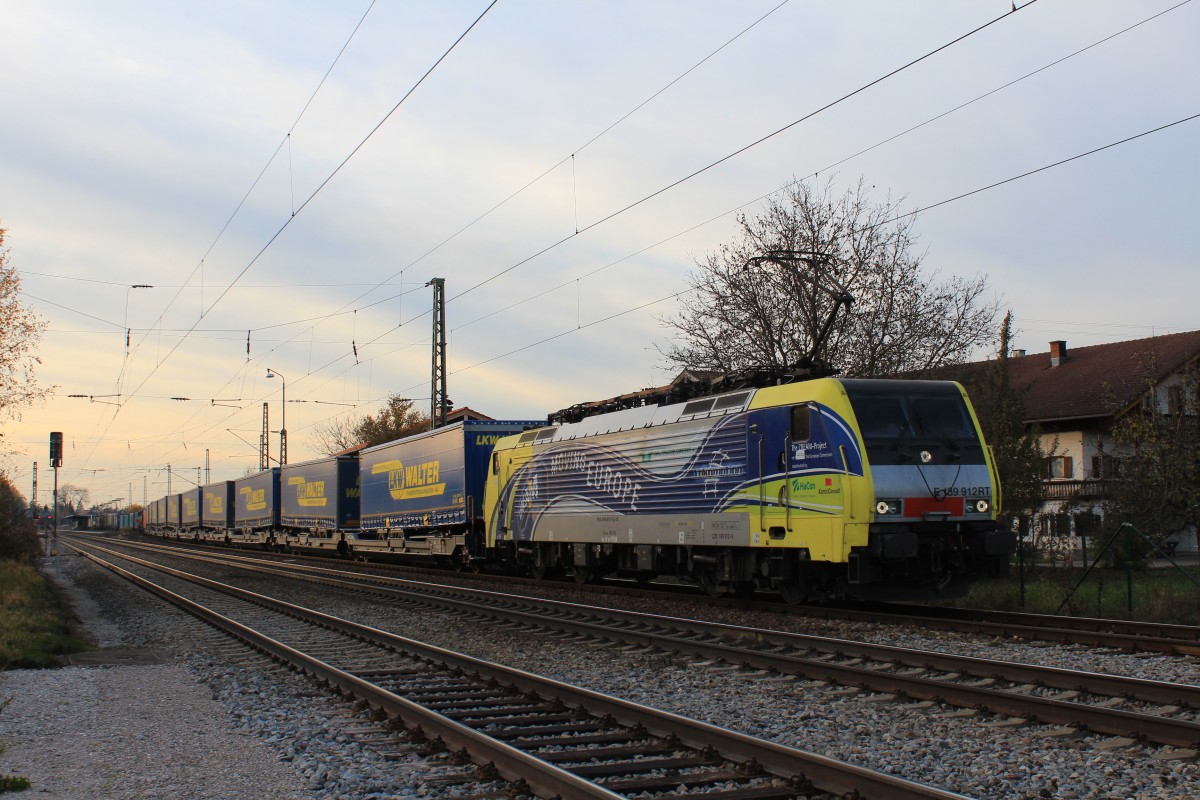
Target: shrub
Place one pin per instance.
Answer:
(18, 535)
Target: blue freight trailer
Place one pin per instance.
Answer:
(189, 509)
(423, 495)
(320, 495)
(216, 510)
(256, 502)
(172, 517)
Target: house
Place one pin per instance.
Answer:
(1074, 396)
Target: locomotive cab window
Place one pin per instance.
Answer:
(801, 425)
(942, 417)
(882, 417)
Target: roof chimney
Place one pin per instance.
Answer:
(1058, 353)
(1018, 353)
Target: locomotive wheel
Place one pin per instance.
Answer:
(584, 574)
(539, 572)
(793, 592)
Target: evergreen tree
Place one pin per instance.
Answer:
(1015, 446)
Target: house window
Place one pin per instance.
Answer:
(1087, 523)
(1106, 467)
(1174, 400)
(1055, 524)
(1060, 467)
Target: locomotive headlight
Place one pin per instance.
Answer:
(982, 506)
(884, 507)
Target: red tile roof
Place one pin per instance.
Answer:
(1099, 380)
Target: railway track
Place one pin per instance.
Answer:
(1126, 635)
(1141, 710)
(547, 737)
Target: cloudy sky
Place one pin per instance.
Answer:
(289, 218)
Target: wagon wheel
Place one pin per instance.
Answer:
(584, 574)
(462, 562)
(710, 584)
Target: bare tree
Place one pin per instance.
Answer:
(72, 497)
(335, 435)
(20, 334)
(902, 319)
(394, 420)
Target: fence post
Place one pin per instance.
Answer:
(1129, 570)
(1021, 561)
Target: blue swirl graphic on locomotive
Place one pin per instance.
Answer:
(831, 449)
(697, 466)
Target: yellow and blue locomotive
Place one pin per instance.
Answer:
(815, 489)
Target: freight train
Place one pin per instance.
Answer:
(815, 489)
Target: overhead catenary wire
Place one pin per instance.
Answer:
(628, 207)
(595, 137)
(962, 196)
(744, 148)
(832, 166)
(581, 326)
(314, 193)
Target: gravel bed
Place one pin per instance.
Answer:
(131, 732)
(212, 721)
(973, 755)
(1149, 666)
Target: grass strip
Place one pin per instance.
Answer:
(34, 628)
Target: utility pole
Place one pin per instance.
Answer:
(33, 503)
(263, 458)
(207, 465)
(439, 404)
(282, 415)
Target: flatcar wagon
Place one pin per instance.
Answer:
(815, 489)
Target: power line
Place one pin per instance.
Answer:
(745, 148)
(309, 199)
(1043, 168)
(555, 166)
(832, 166)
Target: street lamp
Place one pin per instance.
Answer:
(282, 416)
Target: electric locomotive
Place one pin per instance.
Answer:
(816, 489)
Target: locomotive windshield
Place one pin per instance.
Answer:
(900, 415)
